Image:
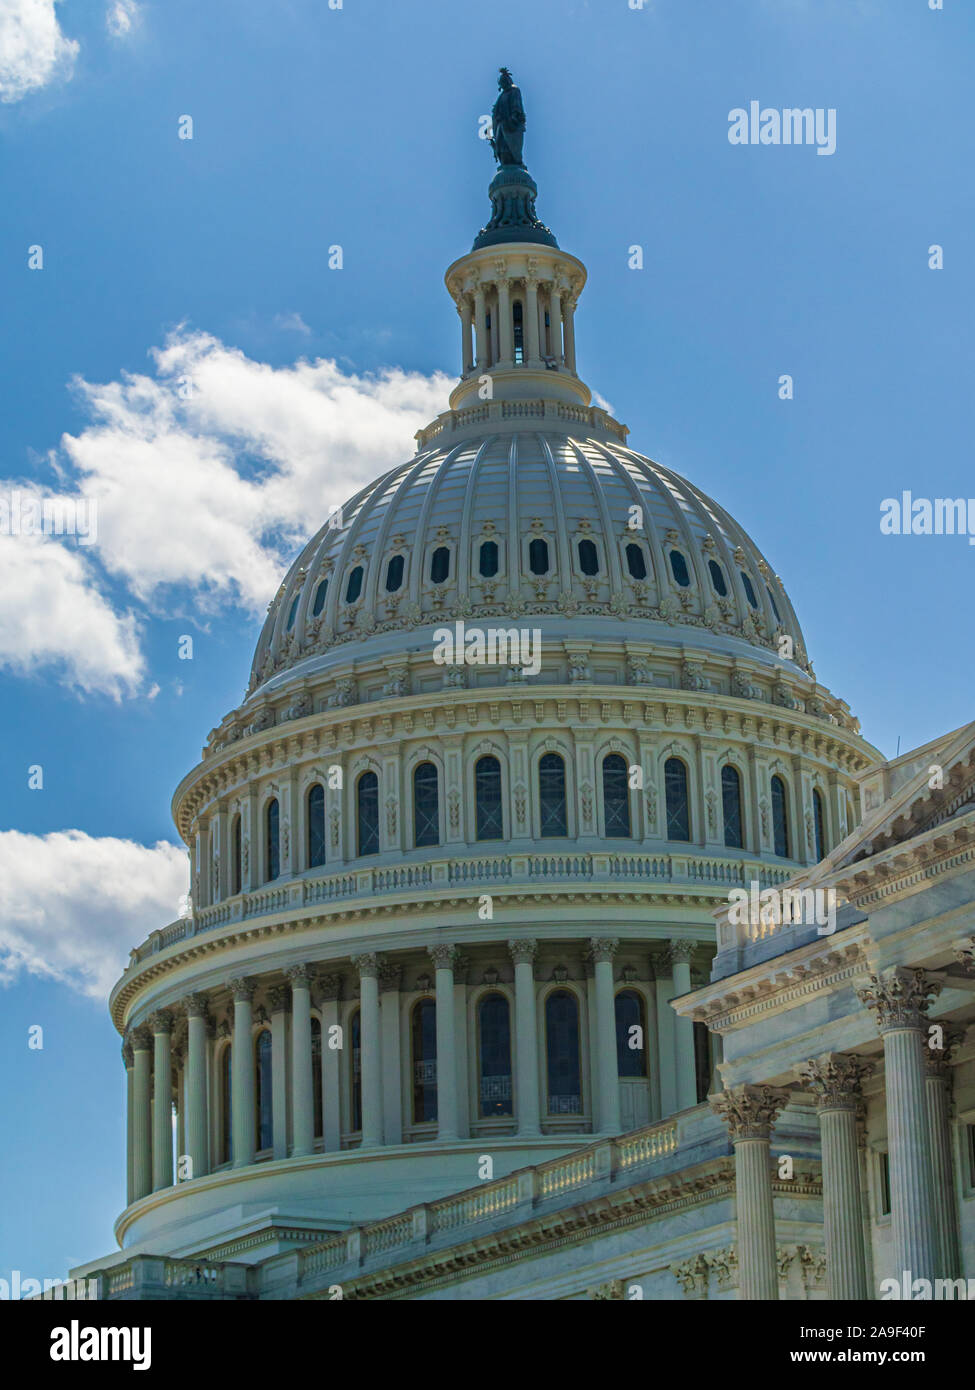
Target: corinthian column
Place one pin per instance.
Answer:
(506, 351)
(937, 1090)
(443, 958)
(750, 1112)
(532, 352)
(129, 1062)
(526, 1037)
(835, 1081)
(196, 1084)
(302, 1100)
(141, 1040)
(606, 1085)
(370, 1052)
(899, 1001)
(242, 1074)
(161, 1024)
(329, 989)
(681, 953)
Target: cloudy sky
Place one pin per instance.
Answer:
(176, 349)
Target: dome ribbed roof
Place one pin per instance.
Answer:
(650, 529)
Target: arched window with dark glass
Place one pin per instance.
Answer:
(679, 567)
(394, 574)
(494, 1043)
(423, 1034)
(551, 796)
(538, 556)
(819, 825)
(316, 1075)
(226, 1106)
(678, 806)
(236, 856)
(292, 611)
(518, 331)
(272, 826)
(354, 587)
(780, 818)
(316, 825)
(562, 1053)
(717, 578)
(355, 1062)
(426, 805)
(749, 589)
(775, 606)
(321, 594)
(635, 562)
(616, 796)
(440, 565)
(631, 1034)
(588, 557)
(488, 818)
(487, 561)
(367, 814)
(731, 806)
(264, 1137)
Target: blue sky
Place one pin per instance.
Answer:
(206, 259)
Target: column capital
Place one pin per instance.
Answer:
(603, 948)
(899, 999)
(194, 1005)
(300, 976)
(390, 977)
(443, 956)
(329, 988)
(750, 1111)
(965, 955)
(937, 1059)
(278, 998)
(523, 950)
(161, 1021)
(242, 990)
(681, 952)
(835, 1079)
(128, 1057)
(368, 965)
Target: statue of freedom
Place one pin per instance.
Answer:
(508, 122)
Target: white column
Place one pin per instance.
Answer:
(332, 1056)
(302, 1100)
(542, 336)
(279, 1000)
(555, 324)
(606, 1071)
(526, 1038)
(242, 1074)
(129, 1062)
(570, 335)
(161, 1024)
(749, 1112)
(835, 1080)
(651, 1043)
(141, 1039)
(666, 1045)
(480, 329)
(196, 1084)
(370, 1050)
(899, 1001)
(466, 349)
(389, 983)
(180, 1069)
(443, 957)
(937, 1090)
(532, 352)
(680, 956)
(461, 966)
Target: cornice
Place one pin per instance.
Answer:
(776, 983)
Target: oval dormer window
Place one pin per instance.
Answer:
(635, 562)
(488, 559)
(588, 557)
(748, 587)
(439, 565)
(717, 578)
(771, 599)
(678, 566)
(354, 587)
(321, 593)
(394, 574)
(292, 611)
(538, 556)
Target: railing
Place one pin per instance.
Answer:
(477, 1205)
(545, 409)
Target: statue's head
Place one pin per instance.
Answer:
(505, 80)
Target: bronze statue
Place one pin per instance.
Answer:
(508, 121)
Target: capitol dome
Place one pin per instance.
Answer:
(431, 898)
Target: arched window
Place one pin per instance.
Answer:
(819, 825)
(679, 567)
(775, 606)
(321, 594)
(367, 814)
(538, 556)
(489, 821)
(731, 806)
(424, 1039)
(746, 584)
(562, 1053)
(678, 808)
(717, 578)
(439, 565)
(588, 557)
(355, 1030)
(631, 1034)
(635, 562)
(316, 825)
(488, 559)
(226, 1106)
(394, 574)
(426, 806)
(354, 587)
(780, 818)
(292, 611)
(316, 1075)
(551, 796)
(272, 825)
(518, 331)
(235, 856)
(616, 796)
(494, 1039)
(264, 1137)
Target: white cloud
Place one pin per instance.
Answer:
(292, 323)
(120, 17)
(33, 50)
(72, 905)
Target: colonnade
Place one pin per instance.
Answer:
(488, 324)
(924, 1225)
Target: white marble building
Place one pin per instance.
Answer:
(417, 1031)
